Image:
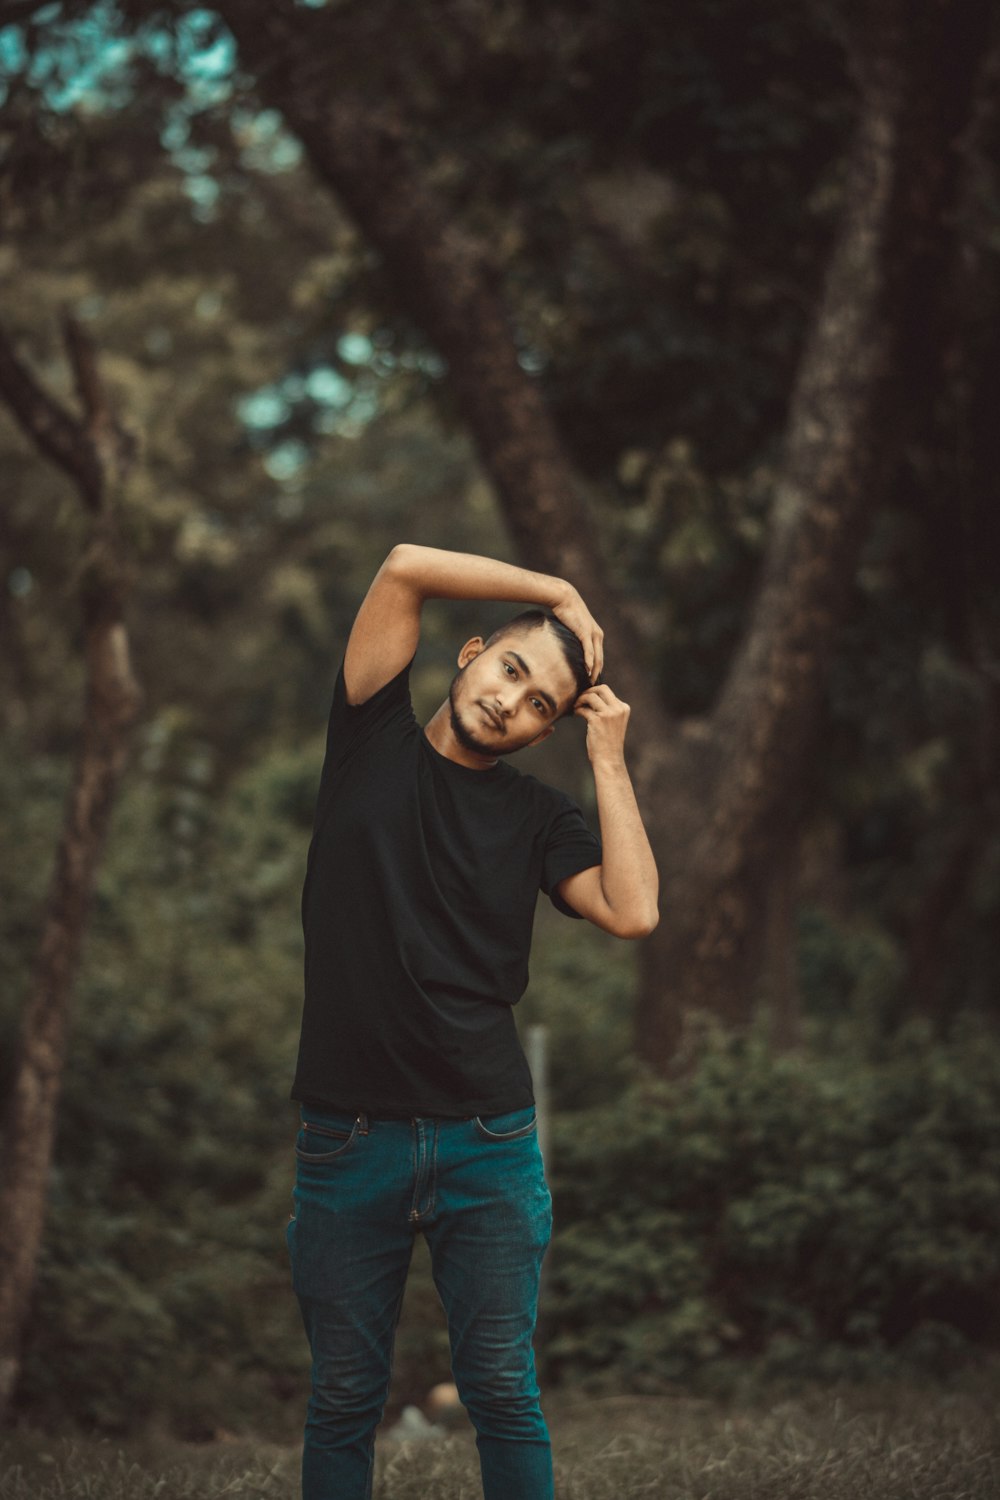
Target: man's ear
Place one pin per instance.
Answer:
(471, 650)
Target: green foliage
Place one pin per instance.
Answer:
(163, 1284)
(822, 1211)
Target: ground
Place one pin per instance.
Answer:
(893, 1442)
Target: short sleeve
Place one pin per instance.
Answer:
(353, 725)
(569, 848)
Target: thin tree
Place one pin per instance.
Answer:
(95, 452)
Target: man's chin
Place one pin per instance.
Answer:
(476, 743)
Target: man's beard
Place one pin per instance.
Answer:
(464, 736)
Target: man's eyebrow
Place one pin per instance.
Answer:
(540, 691)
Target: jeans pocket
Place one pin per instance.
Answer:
(508, 1127)
(325, 1139)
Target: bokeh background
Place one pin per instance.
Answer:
(696, 305)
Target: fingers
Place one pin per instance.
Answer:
(572, 611)
(598, 699)
(592, 641)
(595, 656)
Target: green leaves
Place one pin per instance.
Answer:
(781, 1206)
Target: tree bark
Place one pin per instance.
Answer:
(865, 381)
(94, 452)
(721, 794)
(953, 472)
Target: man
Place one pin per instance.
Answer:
(427, 856)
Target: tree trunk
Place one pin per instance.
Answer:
(721, 795)
(954, 475)
(866, 379)
(94, 455)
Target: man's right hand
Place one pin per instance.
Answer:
(571, 610)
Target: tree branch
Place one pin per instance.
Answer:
(56, 432)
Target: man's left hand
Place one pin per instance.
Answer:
(606, 718)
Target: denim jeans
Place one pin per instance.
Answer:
(475, 1188)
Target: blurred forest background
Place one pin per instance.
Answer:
(695, 304)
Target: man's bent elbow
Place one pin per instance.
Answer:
(399, 558)
(638, 926)
(404, 568)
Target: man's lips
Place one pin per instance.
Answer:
(494, 718)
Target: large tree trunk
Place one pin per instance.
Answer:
(721, 794)
(867, 378)
(93, 453)
(954, 472)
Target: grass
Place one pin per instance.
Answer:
(880, 1443)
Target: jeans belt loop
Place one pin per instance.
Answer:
(362, 1124)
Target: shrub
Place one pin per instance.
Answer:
(815, 1210)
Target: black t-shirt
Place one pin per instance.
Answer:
(417, 910)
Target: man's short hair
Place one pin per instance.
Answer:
(572, 650)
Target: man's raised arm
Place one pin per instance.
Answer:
(387, 628)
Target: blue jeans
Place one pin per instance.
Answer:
(364, 1188)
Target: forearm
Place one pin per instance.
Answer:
(629, 877)
(436, 574)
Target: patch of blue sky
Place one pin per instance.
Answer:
(13, 53)
(203, 191)
(159, 45)
(266, 408)
(87, 61)
(213, 63)
(205, 55)
(287, 460)
(327, 388)
(343, 409)
(355, 348)
(176, 132)
(99, 77)
(196, 161)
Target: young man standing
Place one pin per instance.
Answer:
(427, 856)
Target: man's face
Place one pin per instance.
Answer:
(509, 695)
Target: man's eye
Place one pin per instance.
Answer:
(508, 668)
(538, 705)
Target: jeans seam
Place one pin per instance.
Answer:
(433, 1181)
(415, 1201)
(507, 1135)
(323, 1156)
